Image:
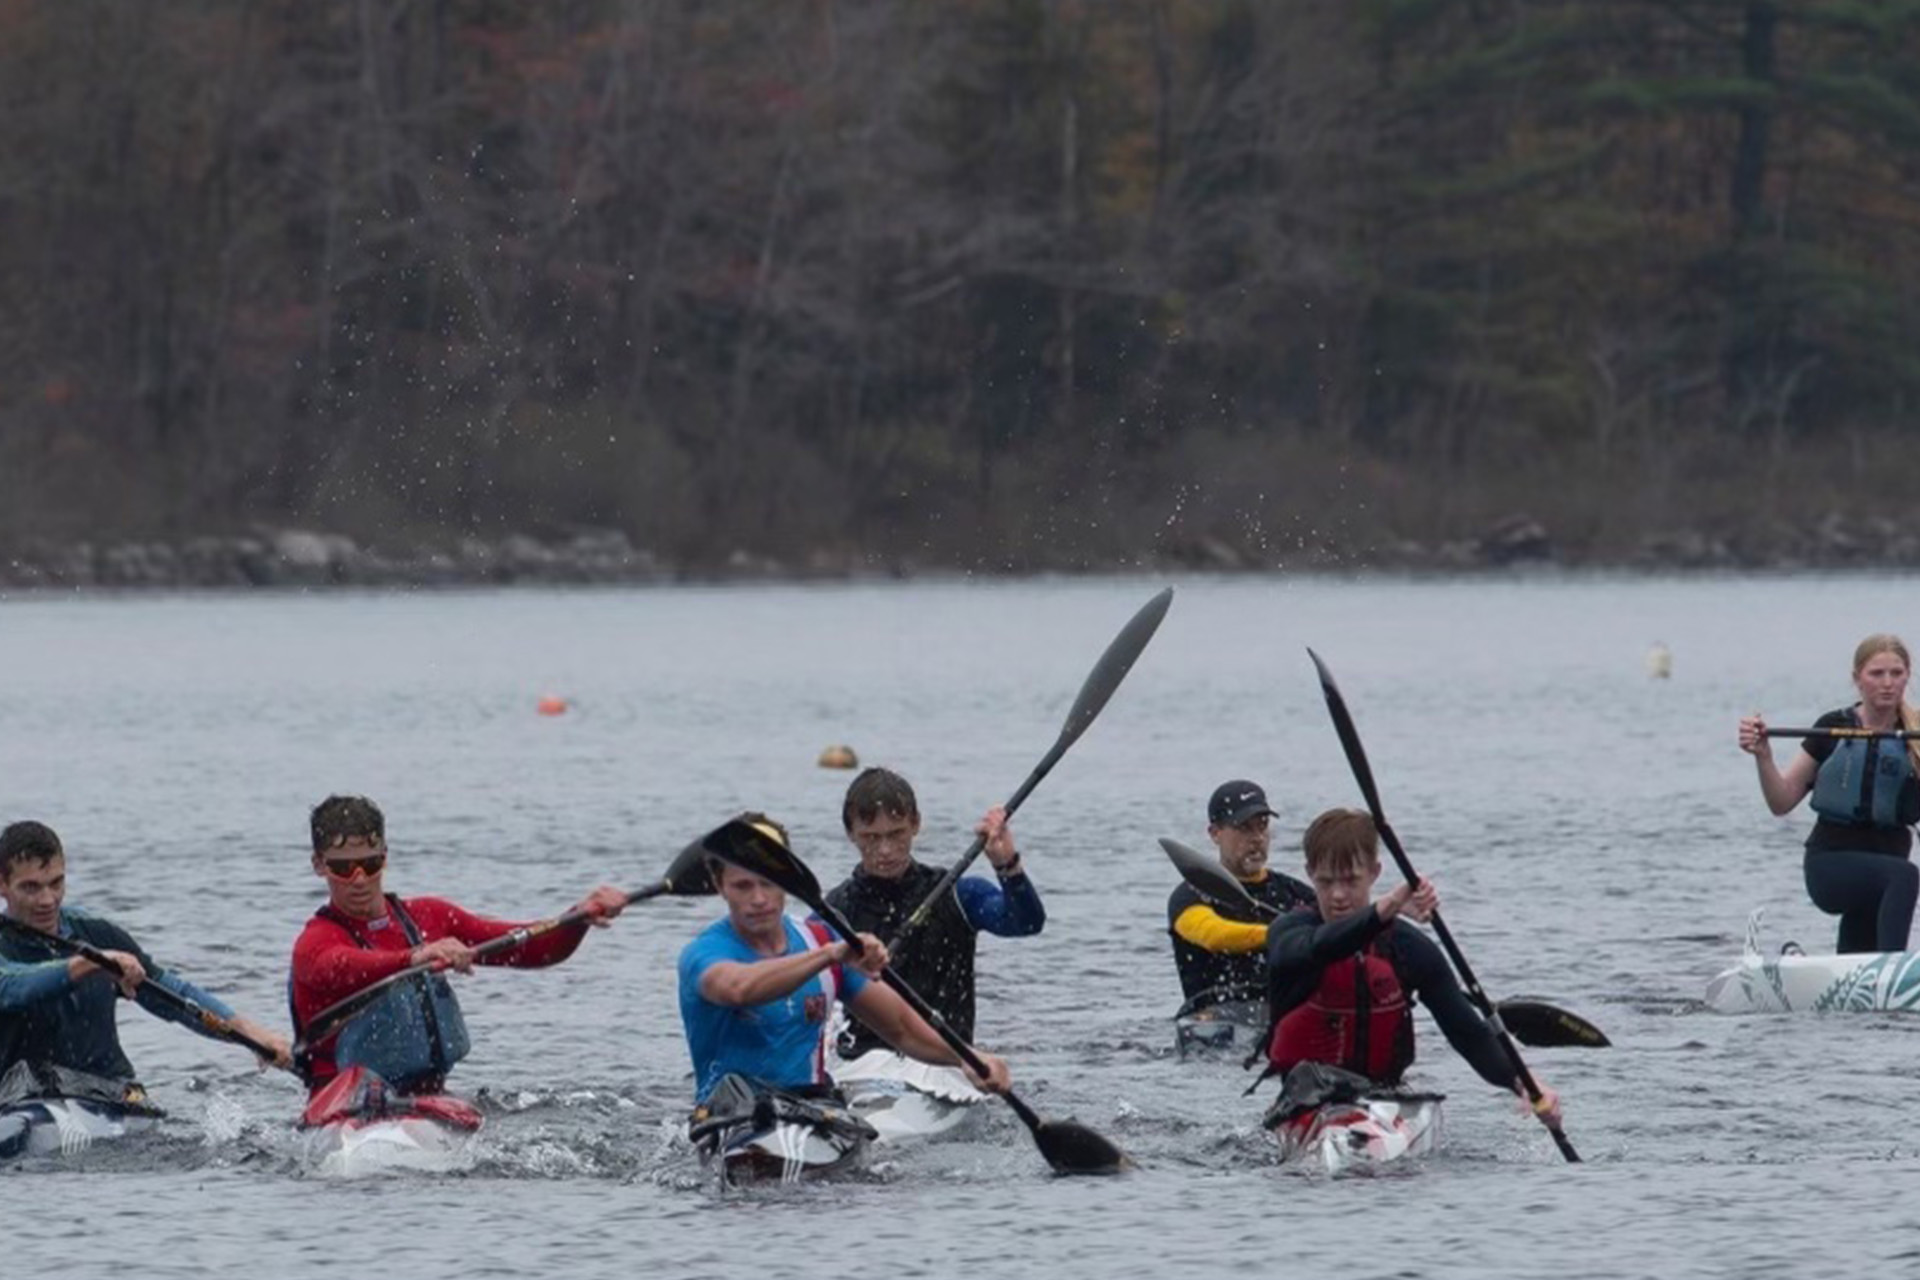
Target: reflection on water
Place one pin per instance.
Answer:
(1596, 836)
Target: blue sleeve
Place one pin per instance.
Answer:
(24, 985)
(1010, 909)
(112, 937)
(160, 1008)
(696, 958)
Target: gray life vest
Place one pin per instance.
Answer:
(1860, 783)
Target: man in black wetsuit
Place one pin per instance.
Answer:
(1343, 976)
(1221, 951)
(882, 818)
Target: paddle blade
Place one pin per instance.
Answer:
(1211, 880)
(1072, 1148)
(688, 876)
(1349, 739)
(1113, 666)
(757, 844)
(1546, 1026)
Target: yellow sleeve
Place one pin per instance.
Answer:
(1210, 931)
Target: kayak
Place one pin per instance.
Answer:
(1340, 1122)
(1221, 1028)
(753, 1133)
(355, 1127)
(903, 1098)
(1865, 982)
(53, 1110)
(67, 1126)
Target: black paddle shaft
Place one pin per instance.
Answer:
(1363, 774)
(1118, 659)
(839, 924)
(1841, 731)
(213, 1022)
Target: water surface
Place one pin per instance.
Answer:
(1596, 836)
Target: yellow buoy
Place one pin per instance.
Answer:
(1659, 662)
(839, 757)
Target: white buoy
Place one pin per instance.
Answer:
(1659, 662)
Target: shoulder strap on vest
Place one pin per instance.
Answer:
(397, 909)
(817, 936)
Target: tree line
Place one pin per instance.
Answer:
(977, 277)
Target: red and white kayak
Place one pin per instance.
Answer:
(354, 1128)
(1364, 1135)
(1343, 1123)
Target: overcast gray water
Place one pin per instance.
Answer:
(1596, 836)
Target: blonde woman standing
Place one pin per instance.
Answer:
(1866, 791)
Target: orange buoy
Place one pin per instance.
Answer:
(552, 705)
(839, 757)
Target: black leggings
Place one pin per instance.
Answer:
(1872, 893)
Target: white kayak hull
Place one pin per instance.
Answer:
(1363, 1136)
(395, 1144)
(904, 1099)
(65, 1126)
(1868, 982)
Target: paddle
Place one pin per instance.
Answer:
(221, 1028)
(1363, 774)
(1067, 1146)
(1533, 1022)
(686, 877)
(1839, 731)
(1101, 682)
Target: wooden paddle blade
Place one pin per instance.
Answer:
(1073, 1148)
(757, 844)
(1546, 1026)
(1211, 880)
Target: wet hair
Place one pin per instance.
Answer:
(1887, 642)
(24, 841)
(877, 791)
(1341, 840)
(338, 819)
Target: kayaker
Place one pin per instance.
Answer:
(757, 989)
(58, 1031)
(408, 1039)
(1343, 974)
(881, 816)
(1866, 795)
(1221, 954)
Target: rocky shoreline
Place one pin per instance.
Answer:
(302, 558)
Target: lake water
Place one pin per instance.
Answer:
(1597, 838)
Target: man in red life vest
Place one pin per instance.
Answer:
(1342, 977)
(412, 1036)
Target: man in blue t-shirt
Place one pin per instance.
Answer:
(757, 989)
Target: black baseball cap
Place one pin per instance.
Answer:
(1235, 802)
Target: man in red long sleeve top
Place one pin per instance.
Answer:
(413, 1034)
